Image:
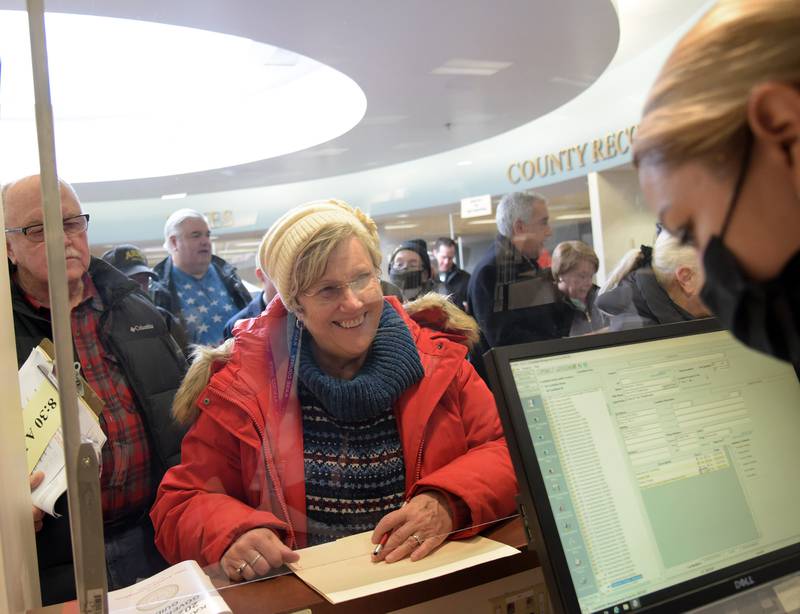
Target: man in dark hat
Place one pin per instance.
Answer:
(410, 269)
(130, 260)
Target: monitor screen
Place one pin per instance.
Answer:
(663, 461)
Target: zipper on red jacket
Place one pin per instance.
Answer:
(418, 472)
(272, 476)
(275, 481)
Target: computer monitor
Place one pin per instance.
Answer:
(658, 468)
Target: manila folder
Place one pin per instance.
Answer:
(343, 569)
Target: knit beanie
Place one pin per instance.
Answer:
(415, 245)
(290, 234)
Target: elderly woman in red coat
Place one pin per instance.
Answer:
(334, 412)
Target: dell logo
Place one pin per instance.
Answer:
(745, 582)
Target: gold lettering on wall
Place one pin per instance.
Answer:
(597, 150)
(606, 147)
(581, 151)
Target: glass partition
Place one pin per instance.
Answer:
(312, 428)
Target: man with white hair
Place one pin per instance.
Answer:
(201, 289)
(129, 358)
(512, 299)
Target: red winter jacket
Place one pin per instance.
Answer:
(242, 463)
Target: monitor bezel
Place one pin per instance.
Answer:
(539, 519)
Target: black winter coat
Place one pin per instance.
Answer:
(134, 331)
(513, 300)
(455, 286)
(639, 300)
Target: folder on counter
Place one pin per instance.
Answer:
(343, 569)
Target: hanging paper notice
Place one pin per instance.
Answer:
(476, 206)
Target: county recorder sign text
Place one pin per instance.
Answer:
(566, 160)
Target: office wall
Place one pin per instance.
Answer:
(620, 219)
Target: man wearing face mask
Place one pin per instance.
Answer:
(719, 162)
(410, 269)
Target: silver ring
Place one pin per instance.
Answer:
(418, 540)
(241, 567)
(254, 561)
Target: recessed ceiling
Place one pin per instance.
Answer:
(436, 75)
(157, 112)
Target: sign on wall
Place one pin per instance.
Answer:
(570, 158)
(476, 206)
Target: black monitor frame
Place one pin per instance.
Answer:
(534, 503)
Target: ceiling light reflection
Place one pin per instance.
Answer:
(187, 101)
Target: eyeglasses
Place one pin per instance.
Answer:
(72, 226)
(335, 293)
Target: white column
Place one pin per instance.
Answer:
(620, 218)
(19, 576)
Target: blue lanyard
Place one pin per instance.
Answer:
(287, 387)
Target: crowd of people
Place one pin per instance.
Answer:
(242, 427)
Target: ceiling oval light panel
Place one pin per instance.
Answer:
(135, 99)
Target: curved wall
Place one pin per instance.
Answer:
(596, 123)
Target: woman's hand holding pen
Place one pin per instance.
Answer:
(414, 530)
(254, 554)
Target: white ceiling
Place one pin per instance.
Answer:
(555, 51)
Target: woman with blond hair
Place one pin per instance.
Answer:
(718, 152)
(385, 428)
(574, 266)
(654, 286)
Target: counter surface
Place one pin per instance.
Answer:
(284, 594)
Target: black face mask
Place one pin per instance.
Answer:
(763, 315)
(410, 282)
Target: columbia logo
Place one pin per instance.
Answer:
(136, 328)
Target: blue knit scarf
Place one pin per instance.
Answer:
(392, 366)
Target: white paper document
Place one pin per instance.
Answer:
(31, 382)
(342, 570)
(181, 589)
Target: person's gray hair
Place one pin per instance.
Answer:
(176, 219)
(669, 255)
(515, 206)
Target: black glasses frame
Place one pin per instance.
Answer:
(26, 230)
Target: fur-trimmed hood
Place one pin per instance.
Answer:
(432, 311)
(436, 312)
